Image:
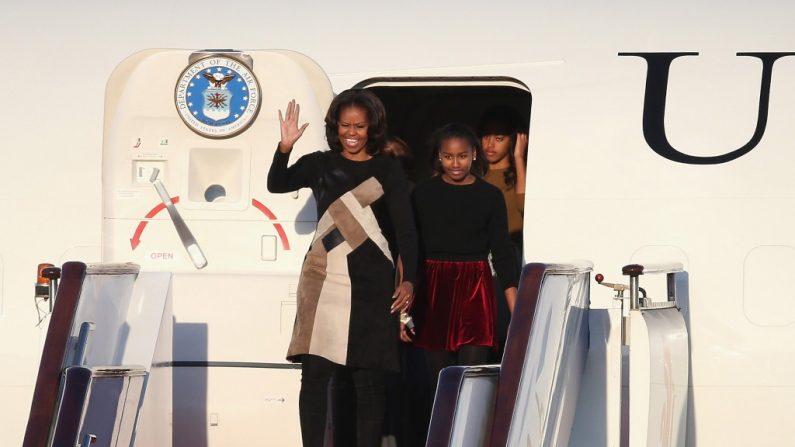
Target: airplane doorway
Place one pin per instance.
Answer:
(416, 106)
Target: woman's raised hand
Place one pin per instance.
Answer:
(519, 154)
(289, 127)
(520, 148)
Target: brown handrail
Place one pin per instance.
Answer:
(45, 395)
(516, 349)
(443, 415)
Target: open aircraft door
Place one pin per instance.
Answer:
(635, 387)
(188, 141)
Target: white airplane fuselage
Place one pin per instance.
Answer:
(657, 132)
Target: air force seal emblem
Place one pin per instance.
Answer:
(217, 96)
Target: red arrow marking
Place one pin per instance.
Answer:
(136, 239)
(282, 235)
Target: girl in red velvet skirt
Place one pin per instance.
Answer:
(461, 219)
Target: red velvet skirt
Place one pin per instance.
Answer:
(454, 305)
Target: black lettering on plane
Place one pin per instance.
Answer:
(659, 65)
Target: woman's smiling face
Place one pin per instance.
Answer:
(352, 129)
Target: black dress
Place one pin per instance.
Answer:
(459, 225)
(348, 276)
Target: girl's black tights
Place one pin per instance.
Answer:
(467, 355)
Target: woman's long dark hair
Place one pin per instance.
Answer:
(461, 131)
(376, 117)
(503, 120)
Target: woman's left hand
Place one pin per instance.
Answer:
(403, 297)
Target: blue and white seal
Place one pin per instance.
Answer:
(217, 96)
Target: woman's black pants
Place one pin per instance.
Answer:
(368, 404)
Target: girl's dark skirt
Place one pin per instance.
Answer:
(455, 305)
